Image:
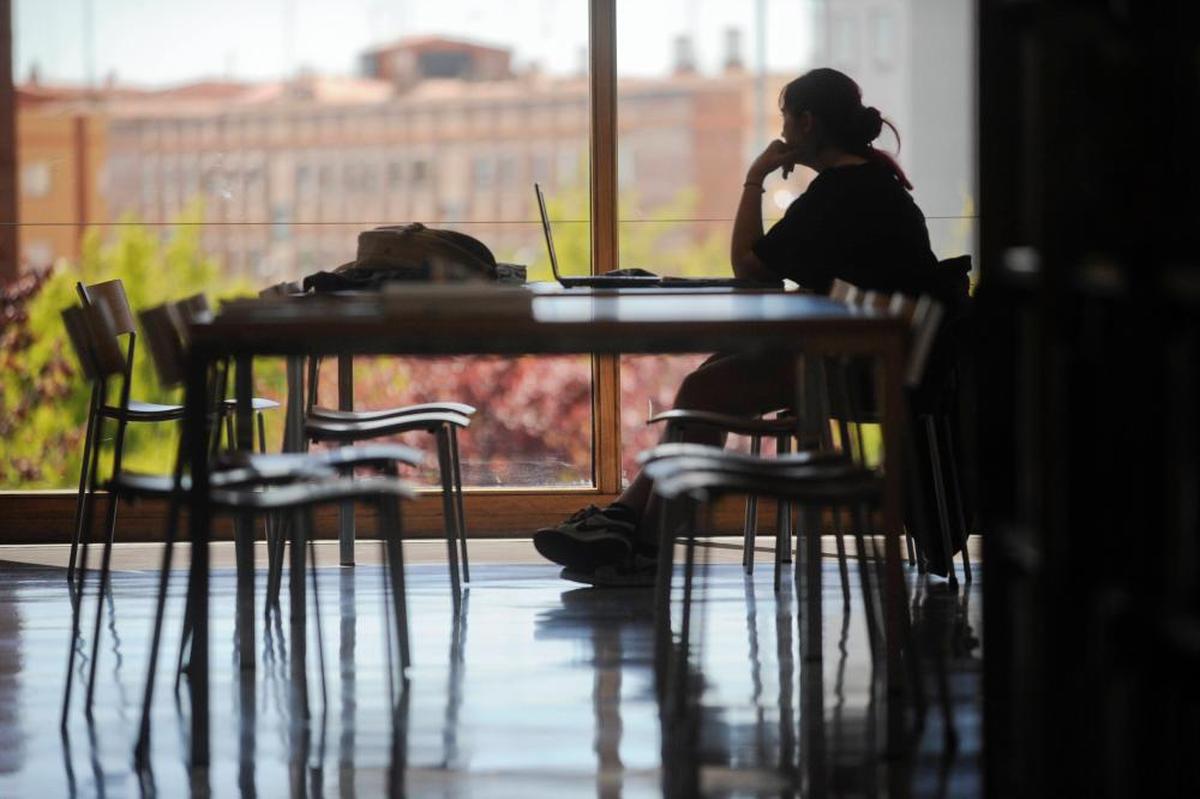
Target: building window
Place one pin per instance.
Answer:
(35, 179)
(883, 38)
(844, 41)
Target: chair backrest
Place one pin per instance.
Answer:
(193, 308)
(78, 336)
(877, 300)
(926, 320)
(163, 332)
(902, 306)
(111, 295)
(92, 337)
(842, 291)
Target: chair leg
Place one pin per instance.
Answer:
(783, 446)
(81, 577)
(391, 533)
(275, 562)
(750, 528)
(864, 579)
(89, 436)
(316, 600)
(270, 520)
(458, 500)
(298, 615)
(141, 750)
(246, 573)
(680, 690)
(843, 565)
(105, 571)
(448, 510)
(811, 619)
(939, 490)
(956, 491)
(662, 600)
(106, 560)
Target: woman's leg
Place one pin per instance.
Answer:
(606, 537)
(738, 385)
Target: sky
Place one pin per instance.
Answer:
(166, 42)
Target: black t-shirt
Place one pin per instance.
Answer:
(856, 223)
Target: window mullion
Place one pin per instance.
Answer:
(606, 377)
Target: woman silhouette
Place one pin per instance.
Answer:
(855, 221)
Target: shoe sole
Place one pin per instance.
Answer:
(579, 556)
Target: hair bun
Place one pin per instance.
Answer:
(871, 123)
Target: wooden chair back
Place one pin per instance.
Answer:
(876, 300)
(90, 331)
(111, 295)
(193, 308)
(77, 334)
(162, 330)
(842, 291)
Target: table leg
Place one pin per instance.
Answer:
(346, 531)
(244, 523)
(894, 417)
(195, 418)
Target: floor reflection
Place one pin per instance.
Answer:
(552, 693)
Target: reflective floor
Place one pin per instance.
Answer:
(536, 687)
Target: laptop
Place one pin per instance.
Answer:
(626, 281)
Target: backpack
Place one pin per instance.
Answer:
(409, 253)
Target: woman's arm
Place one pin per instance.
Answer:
(747, 224)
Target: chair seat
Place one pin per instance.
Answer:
(257, 403)
(332, 415)
(835, 483)
(319, 430)
(265, 472)
(371, 455)
(678, 449)
(741, 425)
(301, 495)
(145, 412)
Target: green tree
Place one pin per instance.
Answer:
(43, 401)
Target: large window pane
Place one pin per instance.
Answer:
(698, 91)
(254, 141)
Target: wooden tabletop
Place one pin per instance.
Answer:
(495, 320)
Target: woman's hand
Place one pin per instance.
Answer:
(778, 154)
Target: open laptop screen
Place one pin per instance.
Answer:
(541, 200)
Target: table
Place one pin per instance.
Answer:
(491, 320)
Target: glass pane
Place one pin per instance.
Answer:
(259, 144)
(698, 89)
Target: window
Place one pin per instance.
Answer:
(697, 92)
(373, 144)
(487, 96)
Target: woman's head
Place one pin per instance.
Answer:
(827, 104)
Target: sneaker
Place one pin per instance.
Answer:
(637, 572)
(590, 538)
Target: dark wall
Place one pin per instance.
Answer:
(1090, 217)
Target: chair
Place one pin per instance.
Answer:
(244, 484)
(705, 474)
(783, 428)
(439, 423)
(111, 296)
(442, 419)
(196, 307)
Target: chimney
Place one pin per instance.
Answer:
(733, 50)
(685, 55)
